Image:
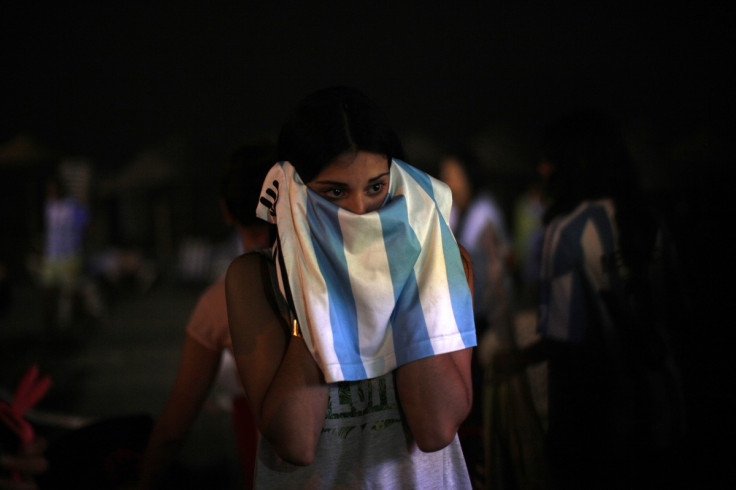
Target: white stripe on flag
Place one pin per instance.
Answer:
(370, 280)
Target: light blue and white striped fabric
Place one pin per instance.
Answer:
(372, 291)
(579, 248)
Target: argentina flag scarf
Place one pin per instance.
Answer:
(374, 291)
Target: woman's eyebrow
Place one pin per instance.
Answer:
(377, 177)
(338, 183)
(330, 182)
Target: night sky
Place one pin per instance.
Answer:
(106, 81)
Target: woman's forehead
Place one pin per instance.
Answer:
(354, 166)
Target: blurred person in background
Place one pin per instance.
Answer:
(528, 233)
(605, 316)
(65, 225)
(478, 224)
(206, 350)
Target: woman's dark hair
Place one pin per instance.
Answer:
(330, 122)
(590, 160)
(242, 181)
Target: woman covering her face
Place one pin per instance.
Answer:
(353, 335)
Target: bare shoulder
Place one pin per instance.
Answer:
(246, 263)
(257, 329)
(243, 270)
(245, 286)
(252, 308)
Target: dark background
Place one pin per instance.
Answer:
(105, 80)
(189, 83)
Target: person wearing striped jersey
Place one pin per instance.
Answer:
(613, 394)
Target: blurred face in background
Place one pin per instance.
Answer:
(452, 173)
(546, 170)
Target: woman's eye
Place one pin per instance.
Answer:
(335, 193)
(376, 188)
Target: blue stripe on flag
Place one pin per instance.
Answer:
(419, 177)
(411, 338)
(462, 301)
(570, 245)
(327, 241)
(396, 236)
(546, 278)
(604, 227)
(459, 291)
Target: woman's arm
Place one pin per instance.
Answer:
(197, 370)
(284, 385)
(436, 392)
(436, 396)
